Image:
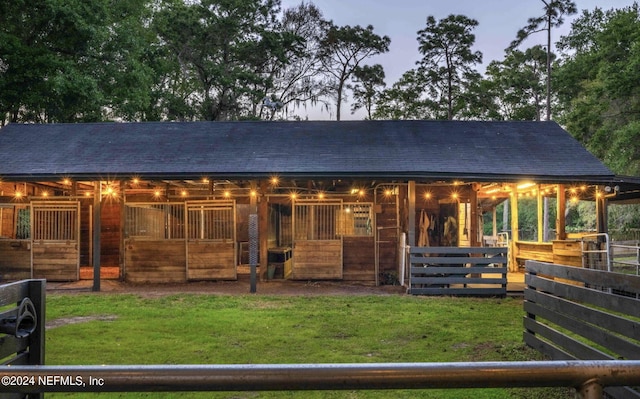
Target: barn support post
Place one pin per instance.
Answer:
(515, 234)
(97, 212)
(254, 237)
(411, 194)
(539, 203)
(263, 229)
(601, 213)
(561, 221)
(474, 229)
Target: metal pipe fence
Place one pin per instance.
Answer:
(588, 377)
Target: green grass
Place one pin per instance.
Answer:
(200, 329)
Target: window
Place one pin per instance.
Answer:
(154, 221)
(15, 221)
(356, 219)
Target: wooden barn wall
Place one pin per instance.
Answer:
(15, 260)
(211, 260)
(55, 261)
(358, 259)
(155, 261)
(110, 233)
(317, 260)
(86, 236)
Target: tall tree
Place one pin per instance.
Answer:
(405, 99)
(299, 80)
(223, 48)
(518, 83)
(598, 86)
(49, 51)
(554, 12)
(448, 60)
(342, 50)
(368, 80)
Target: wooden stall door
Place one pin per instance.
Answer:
(317, 244)
(55, 240)
(211, 240)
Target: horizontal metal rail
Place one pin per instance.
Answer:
(588, 377)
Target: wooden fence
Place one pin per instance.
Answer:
(22, 327)
(475, 271)
(575, 313)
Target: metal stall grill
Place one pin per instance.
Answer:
(55, 232)
(317, 242)
(154, 221)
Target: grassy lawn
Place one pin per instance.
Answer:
(194, 329)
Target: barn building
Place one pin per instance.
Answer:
(175, 201)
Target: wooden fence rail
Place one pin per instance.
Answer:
(575, 313)
(475, 271)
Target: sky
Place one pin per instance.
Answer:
(499, 21)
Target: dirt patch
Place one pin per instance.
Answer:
(240, 287)
(63, 321)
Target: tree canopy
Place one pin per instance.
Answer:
(79, 61)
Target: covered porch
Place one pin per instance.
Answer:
(179, 202)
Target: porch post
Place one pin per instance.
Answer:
(411, 234)
(561, 233)
(97, 212)
(254, 237)
(474, 228)
(540, 204)
(515, 234)
(263, 229)
(601, 213)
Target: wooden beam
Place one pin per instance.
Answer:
(561, 221)
(411, 193)
(263, 228)
(474, 229)
(97, 212)
(539, 202)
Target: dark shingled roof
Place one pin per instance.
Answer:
(390, 149)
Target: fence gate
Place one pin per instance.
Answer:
(317, 242)
(55, 240)
(211, 240)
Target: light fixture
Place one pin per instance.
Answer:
(183, 193)
(321, 195)
(157, 193)
(227, 194)
(253, 193)
(525, 185)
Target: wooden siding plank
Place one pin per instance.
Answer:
(571, 345)
(617, 281)
(457, 270)
(545, 347)
(211, 260)
(317, 259)
(457, 280)
(623, 348)
(459, 291)
(616, 303)
(613, 323)
(155, 261)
